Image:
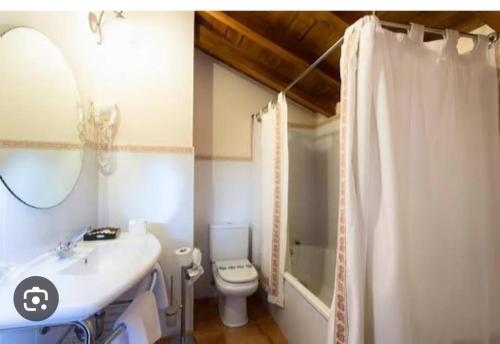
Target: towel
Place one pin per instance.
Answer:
(160, 289)
(141, 321)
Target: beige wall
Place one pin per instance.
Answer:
(145, 65)
(223, 103)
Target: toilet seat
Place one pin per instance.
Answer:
(234, 289)
(236, 271)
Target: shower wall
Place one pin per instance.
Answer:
(302, 200)
(313, 207)
(313, 185)
(327, 182)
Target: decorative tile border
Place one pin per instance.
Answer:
(313, 126)
(151, 149)
(132, 148)
(223, 157)
(29, 144)
(250, 157)
(328, 121)
(301, 126)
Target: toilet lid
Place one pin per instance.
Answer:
(236, 271)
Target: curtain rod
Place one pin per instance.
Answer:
(492, 37)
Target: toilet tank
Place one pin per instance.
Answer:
(228, 241)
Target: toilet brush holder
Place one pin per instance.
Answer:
(171, 311)
(171, 316)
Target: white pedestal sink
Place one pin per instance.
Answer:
(94, 276)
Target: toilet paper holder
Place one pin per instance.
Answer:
(189, 275)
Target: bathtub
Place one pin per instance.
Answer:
(309, 282)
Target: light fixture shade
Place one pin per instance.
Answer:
(95, 25)
(93, 22)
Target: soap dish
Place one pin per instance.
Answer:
(102, 233)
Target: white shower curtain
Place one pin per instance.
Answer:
(419, 218)
(272, 151)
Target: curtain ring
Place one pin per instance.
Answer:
(492, 38)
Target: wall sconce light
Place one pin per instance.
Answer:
(96, 22)
(105, 124)
(97, 129)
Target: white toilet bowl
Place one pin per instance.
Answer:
(235, 277)
(235, 280)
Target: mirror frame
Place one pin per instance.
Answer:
(82, 150)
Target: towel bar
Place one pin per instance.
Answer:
(154, 276)
(121, 327)
(115, 333)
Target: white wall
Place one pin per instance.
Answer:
(224, 193)
(26, 232)
(145, 66)
(157, 187)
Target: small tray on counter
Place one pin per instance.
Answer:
(102, 233)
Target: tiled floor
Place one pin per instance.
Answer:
(208, 328)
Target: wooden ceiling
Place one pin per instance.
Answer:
(275, 47)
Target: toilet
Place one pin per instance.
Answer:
(235, 277)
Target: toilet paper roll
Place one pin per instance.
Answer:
(184, 256)
(196, 256)
(138, 226)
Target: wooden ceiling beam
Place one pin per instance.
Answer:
(348, 17)
(267, 43)
(490, 18)
(214, 45)
(279, 31)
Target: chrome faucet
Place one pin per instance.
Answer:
(64, 249)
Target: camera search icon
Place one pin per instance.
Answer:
(36, 298)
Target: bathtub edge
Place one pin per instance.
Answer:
(312, 299)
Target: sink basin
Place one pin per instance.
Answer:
(95, 275)
(86, 265)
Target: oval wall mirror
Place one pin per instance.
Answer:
(40, 149)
